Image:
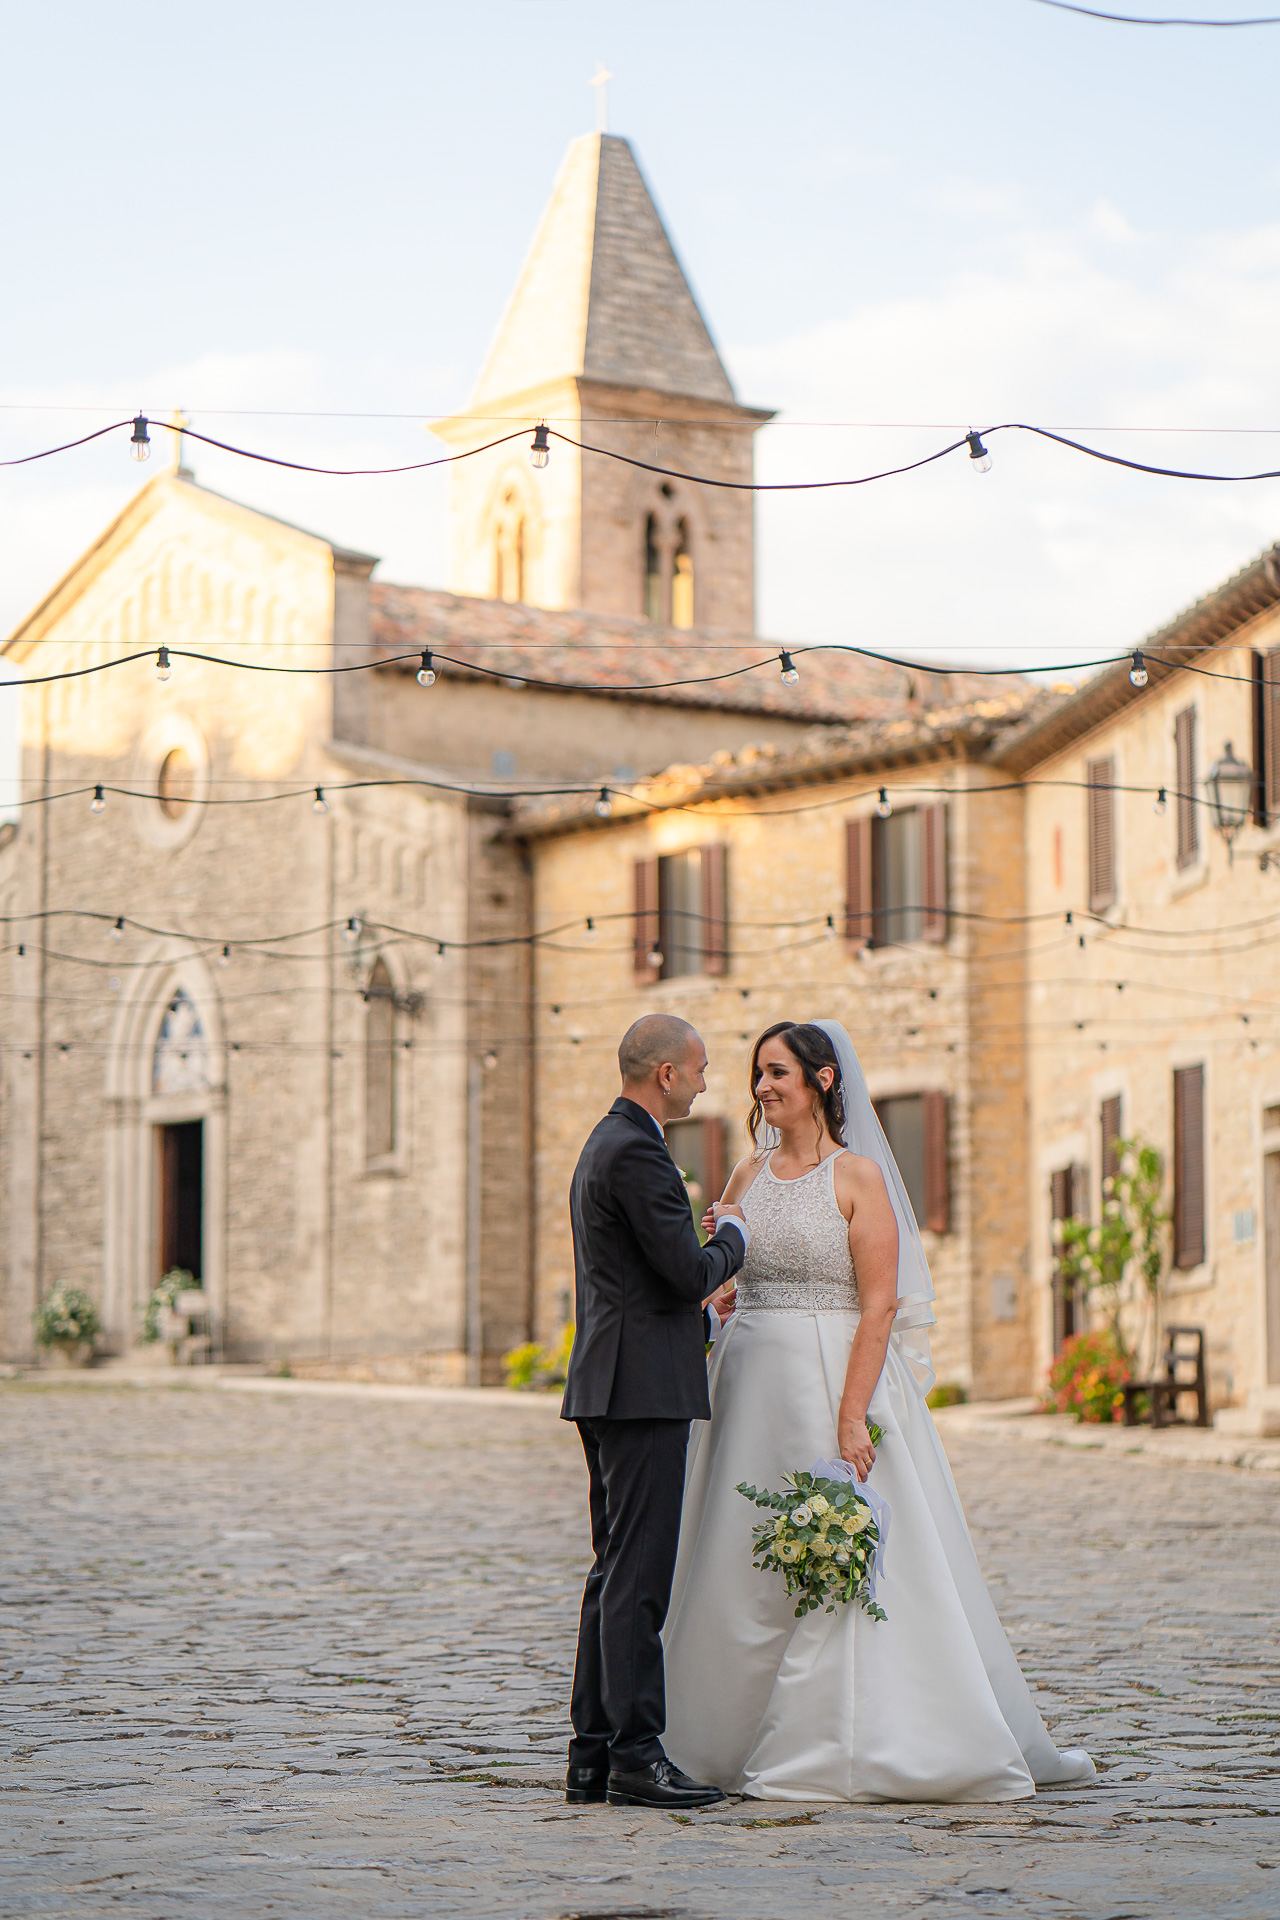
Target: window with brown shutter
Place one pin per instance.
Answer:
(715, 911)
(1266, 734)
(934, 825)
(1101, 834)
(915, 1125)
(1109, 1118)
(1258, 731)
(857, 865)
(1068, 1195)
(1184, 741)
(713, 1155)
(646, 892)
(1188, 1166)
(697, 1147)
(937, 1171)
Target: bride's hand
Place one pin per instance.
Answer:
(855, 1444)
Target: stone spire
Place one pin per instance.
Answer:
(602, 295)
(603, 339)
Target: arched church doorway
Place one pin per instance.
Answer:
(180, 1238)
(166, 1144)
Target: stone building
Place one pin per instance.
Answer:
(1152, 1011)
(875, 876)
(304, 1069)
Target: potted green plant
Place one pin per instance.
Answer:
(67, 1325)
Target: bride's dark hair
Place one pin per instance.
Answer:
(812, 1049)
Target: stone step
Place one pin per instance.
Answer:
(1259, 1419)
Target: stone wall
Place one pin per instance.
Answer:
(1160, 983)
(922, 1017)
(309, 1254)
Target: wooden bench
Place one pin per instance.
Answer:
(1182, 1371)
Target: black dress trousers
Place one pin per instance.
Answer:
(619, 1705)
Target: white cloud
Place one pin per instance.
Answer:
(1051, 554)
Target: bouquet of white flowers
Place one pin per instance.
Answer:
(826, 1536)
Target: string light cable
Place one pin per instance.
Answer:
(1169, 20)
(973, 440)
(267, 945)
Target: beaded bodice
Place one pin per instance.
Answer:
(799, 1259)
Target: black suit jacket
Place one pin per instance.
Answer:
(639, 1351)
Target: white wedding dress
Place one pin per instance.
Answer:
(928, 1705)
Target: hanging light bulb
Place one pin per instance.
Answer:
(1138, 671)
(540, 451)
(829, 931)
(1162, 801)
(790, 671)
(224, 958)
(883, 808)
(140, 440)
(163, 668)
(656, 958)
(604, 805)
(21, 953)
(440, 951)
(591, 929)
(978, 454)
(352, 929)
(117, 932)
(426, 672)
(490, 1061)
(98, 804)
(319, 804)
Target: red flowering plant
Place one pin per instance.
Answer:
(1088, 1376)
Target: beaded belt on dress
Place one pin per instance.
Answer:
(803, 1297)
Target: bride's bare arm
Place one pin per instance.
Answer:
(873, 1242)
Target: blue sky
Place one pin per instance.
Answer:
(917, 212)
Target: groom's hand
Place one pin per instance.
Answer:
(725, 1210)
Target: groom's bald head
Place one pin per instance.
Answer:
(657, 1040)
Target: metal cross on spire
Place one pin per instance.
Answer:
(600, 81)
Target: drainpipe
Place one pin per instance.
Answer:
(475, 1329)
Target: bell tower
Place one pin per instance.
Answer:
(603, 339)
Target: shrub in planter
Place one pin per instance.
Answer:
(67, 1321)
(535, 1369)
(1086, 1378)
(176, 1281)
(947, 1393)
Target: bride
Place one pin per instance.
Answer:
(829, 1331)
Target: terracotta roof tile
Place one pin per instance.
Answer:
(617, 655)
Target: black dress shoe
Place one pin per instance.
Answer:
(583, 1784)
(660, 1785)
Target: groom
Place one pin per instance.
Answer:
(637, 1377)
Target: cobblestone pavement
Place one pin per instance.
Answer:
(306, 1655)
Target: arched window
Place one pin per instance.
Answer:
(682, 579)
(180, 1063)
(508, 569)
(380, 1067)
(654, 609)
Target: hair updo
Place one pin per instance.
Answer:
(812, 1049)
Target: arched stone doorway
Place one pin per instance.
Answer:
(166, 1144)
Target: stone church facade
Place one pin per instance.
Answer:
(290, 1045)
